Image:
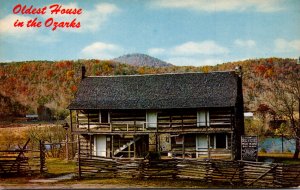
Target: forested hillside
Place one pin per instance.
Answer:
(26, 85)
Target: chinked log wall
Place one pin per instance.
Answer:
(235, 173)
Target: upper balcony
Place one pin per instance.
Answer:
(214, 125)
(187, 121)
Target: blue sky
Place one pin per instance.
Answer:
(189, 32)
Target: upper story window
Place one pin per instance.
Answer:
(151, 119)
(104, 116)
(203, 118)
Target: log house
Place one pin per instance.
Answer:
(186, 115)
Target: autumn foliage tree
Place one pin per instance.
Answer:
(283, 96)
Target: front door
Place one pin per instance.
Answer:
(201, 145)
(100, 145)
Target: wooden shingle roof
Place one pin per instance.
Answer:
(162, 91)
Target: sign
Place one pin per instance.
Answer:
(249, 148)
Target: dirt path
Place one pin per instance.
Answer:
(109, 183)
(53, 180)
(69, 186)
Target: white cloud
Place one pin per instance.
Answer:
(245, 43)
(285, 46)
(192, 53)
(7, 29)
(194, 48)
(7, 26)
(93, 20)
(100, 50)
(90, 20)
(222, 5)
(190, 61)
(191, 48)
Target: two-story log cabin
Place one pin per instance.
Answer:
(189, 115)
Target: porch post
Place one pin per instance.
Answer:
(156, 143)
(129, 151)
(134, 148)
(91, 150)
(231, 146)
(79, 164)
(112, 146)
(88, 122)
(183, 148)
(208, 146)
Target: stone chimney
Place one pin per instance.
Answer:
(238, 70)
(83, 71)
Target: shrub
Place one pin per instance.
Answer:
(263, 150)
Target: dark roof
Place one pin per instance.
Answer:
(162, 91)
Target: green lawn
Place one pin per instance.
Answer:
(285, 157)
(57, 167)
(276, 155)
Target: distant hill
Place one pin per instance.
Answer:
(138, 59)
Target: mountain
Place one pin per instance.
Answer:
(138, 59)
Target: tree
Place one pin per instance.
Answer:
(11, 139)
(284, 98)
(53, 135)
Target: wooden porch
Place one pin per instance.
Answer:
(167, 121)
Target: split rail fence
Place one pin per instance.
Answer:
(235, 173)
(22, 162)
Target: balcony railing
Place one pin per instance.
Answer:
(150, 127)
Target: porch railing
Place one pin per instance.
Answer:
(148, 127)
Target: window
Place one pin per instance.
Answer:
(218, 141)
(221, 140)
(104, 116)
(202, 118)
(151, 119)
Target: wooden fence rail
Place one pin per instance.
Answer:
(252, 174)
(22, 162)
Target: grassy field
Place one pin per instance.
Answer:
(286, 158)
(276, 155)
(58, 167)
